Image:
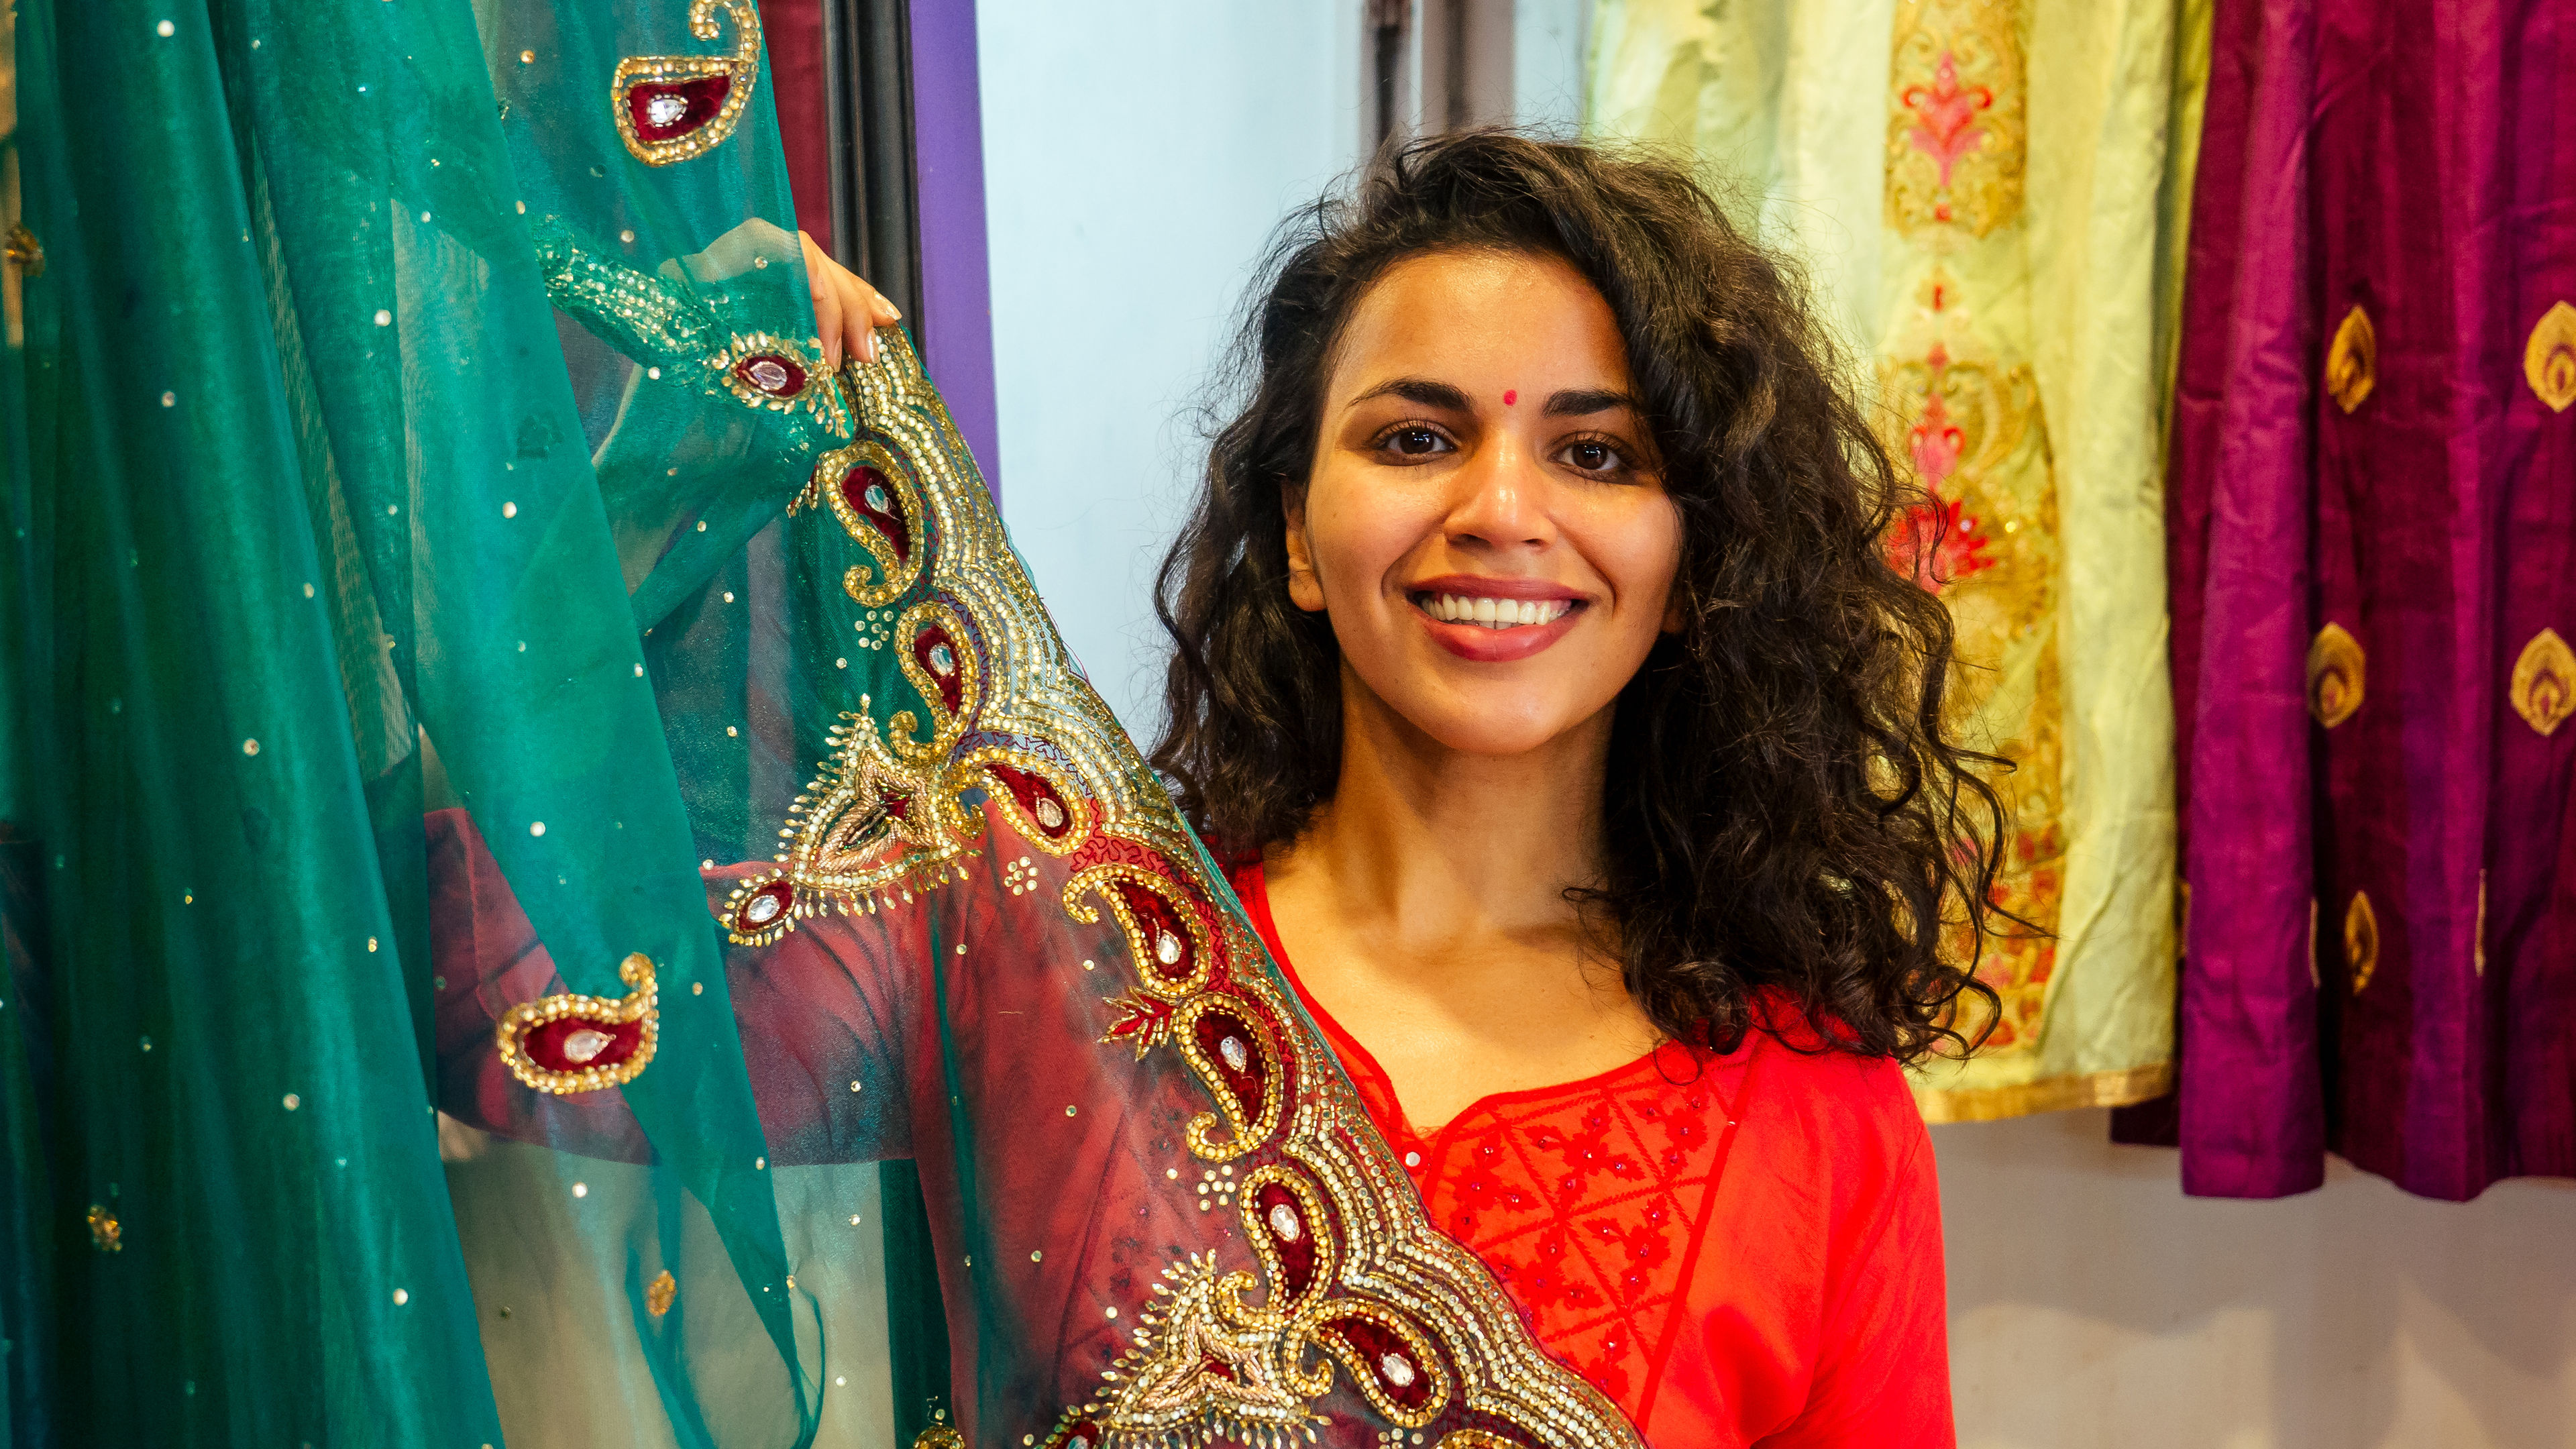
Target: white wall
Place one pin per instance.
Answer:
(2093, 1306)
(1138, 154)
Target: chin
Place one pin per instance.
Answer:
(1497, 729)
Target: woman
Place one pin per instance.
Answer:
(1577, 757)
(447, 437)
(1581, 759)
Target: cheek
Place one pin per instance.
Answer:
(1357, 542)
(1640, 552)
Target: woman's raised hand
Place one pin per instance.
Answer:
(847, 311)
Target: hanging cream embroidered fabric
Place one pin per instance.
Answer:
(1986, 195)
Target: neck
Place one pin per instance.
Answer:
(1430, 844)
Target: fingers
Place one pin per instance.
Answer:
(827, 316)
(846, 309)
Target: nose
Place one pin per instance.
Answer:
(1499, 498)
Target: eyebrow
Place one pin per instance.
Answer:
(1421, 391)
(1581, 401)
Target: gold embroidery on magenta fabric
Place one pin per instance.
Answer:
(2336, 675)
(672, 107)
(1344, 1275)
(2543, 691)
(2360, 941)
(2549, 357)
(2352, 362)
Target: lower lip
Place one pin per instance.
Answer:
(1496, 646)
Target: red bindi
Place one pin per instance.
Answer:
(1511, 396)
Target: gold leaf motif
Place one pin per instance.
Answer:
(659, 1293)
(105, 1233)
(939, 1436)
(2549, 358)
(2335, 669)
(2544, 682)
(672, 107)
(2360, 940)
(2352, 363)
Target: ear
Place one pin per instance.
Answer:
(1305, 589)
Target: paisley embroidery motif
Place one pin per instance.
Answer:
(2352, 362)
(878, 505)
(2360, 941)
(672, 107)
(2336, 672)
(2544, 683)
(2549, 357)
(572, 1043)
(1337, 1278)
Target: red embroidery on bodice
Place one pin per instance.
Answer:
(1586, 1201)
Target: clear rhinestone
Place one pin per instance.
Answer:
(1393, 1368)
(665, 109)
(1284, 1224)
(1050, 814)
(762, 910)
(877, 499)
(767, 375)
(585, 1044)
(1236, 1054)
(942, 660)
(1167, 949)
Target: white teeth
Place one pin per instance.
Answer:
(1494, 613)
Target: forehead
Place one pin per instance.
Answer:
(1481, 318)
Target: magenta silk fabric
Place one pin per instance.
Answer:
(2415, 160)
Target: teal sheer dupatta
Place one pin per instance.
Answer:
(522, 787)
(306, 538)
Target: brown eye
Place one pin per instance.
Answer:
(1592, 457)
(1415, 442)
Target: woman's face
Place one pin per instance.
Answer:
(1483, 524)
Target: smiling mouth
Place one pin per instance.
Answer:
(1486, 612)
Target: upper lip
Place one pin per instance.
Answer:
(1475, 587)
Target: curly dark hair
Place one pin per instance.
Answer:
(1786, 804)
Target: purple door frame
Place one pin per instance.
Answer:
(956, 277)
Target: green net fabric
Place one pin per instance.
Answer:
(557, 882)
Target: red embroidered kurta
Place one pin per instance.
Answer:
(1737, 1250)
